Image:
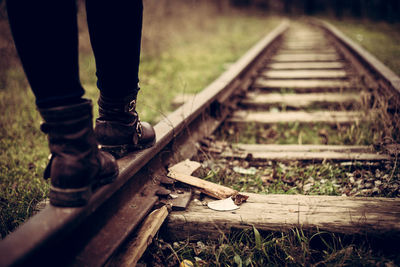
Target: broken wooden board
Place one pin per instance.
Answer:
(182, 196)
(208, 188)
(298, 100)
(316, 153)
(347, 215)
(181, 200)
(304, 74)
(305, 65)
(135, 249)
(185, 167)
(305, 57)
(329, 117)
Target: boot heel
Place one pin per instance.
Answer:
(105, 180)
(70, 197)
(117, 151)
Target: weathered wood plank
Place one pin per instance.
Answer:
(283, 212)
(305, 65)
(285, 52)
(305, 57)
(310, 44)
(327, 50)
(314, 47)
(298, 100)
(304, 148)
(147, 231)
(300, 84)
(209, 188)
(305, 74)
(186, 167)
(318, 153)
(331, 117)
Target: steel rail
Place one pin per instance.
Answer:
(89, 235)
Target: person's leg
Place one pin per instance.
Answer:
(45, 34)
(115, 29)
(115, 32)
(46, 38)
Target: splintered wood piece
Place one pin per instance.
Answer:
(144, 237)
(305, 74)
(262, 82)
(305, 65)
(298, 100)
(358, 215)
(304, 152)
(182, 201)
(185, 167)
(208, 188)
(331, 117)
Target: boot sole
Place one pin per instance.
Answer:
(119, 151)
(70, 197)
(77, 197)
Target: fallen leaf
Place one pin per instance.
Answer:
(223, 205)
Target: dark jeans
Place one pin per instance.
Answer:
(46, 36)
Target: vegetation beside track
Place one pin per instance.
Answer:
(380, 38)
(292, 248)
(312, 178)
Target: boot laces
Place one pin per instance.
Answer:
(131, 106)
(139, 129)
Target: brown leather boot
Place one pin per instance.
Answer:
(119, 129)
(76, 165)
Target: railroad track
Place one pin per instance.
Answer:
(313, 72)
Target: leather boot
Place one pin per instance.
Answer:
(119, 129)
(76, 165)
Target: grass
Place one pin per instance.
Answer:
(292, 248)
(191, 51)
(298, 133)
(380, 38)
(326, 178)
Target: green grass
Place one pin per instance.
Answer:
(294, 177)
(381, 39)
(298, 133)
(186, 61)
(23, 156)
(292, 248)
